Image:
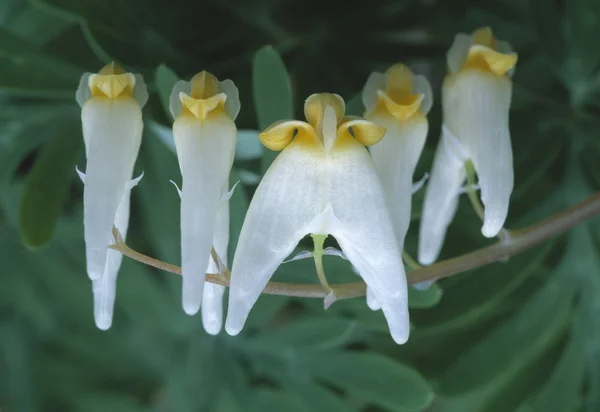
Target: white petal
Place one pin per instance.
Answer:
(83, 93)
(205, 152)
(422, 86)
(420, 183)
(329, 128)
(305, 254)
(476, 107)
(365, 233)
(232, 104)
(212, 300)
(288, 198)
(175, 106)
(375, 81)
(372, 301)
(140, 91)
(104, 289)
(331, 251)
(112, 131)
(441, 200)
(396, 157)
(458, 52)
(227, 195)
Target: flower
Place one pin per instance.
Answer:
(476, 99)
(205, 137)
(323, 183)
(111, 114)
(398, 101)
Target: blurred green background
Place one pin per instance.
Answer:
(523, 335)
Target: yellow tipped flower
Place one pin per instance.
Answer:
(111, 114)
(400, 101)
(323, 183)
(476, 100)
(204, 110)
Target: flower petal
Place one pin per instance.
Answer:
(458, 52)
(395, 158)
(365, 132)
(280, 134)
(441, 199)
(372, 301)
(112, 131)
(421, 86)
(375, 82)
(212, 301)
(175, 105)
(83, 93)
(365, 233)
(205, 150)
(476, 110)
(104, 288)
(232, 104)
(287, 200)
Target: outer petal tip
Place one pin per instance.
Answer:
(212, 327)
(192, 294)
(400, 336)
(491, 227)
(103, 321)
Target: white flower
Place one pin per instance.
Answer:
(111, 115)
(205, 137)
(476, 99)
(324, 183)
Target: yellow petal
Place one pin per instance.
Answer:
(200, 108)
(398, 81)
(314, 108)
(484, 37)
(112, 68)
(280, 134)
(204, 85)
(403, 109)
(111, 85)
(364, 131)
(489, 59)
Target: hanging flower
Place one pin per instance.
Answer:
(205, 137)
(323, 183)
(111, 113)
(476, 99)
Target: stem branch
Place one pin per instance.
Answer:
(519, 241)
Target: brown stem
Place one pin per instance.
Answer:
(519, 241)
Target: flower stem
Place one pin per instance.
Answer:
(410, 261)
(318, 241)
(519, 241)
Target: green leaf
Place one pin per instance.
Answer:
(515, 343)
(272, 92)
(159, 200)
(47, 185)
(269, 400)
(238, 206)
(373, 378)
(165, 79)
(314, 333)
(26, 71)
(319, 399)
(422, 299)
(563, 391)
(547, 22)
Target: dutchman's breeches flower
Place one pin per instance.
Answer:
(205, 137)
(323, 183)
(476, 99)
(398, 101)
(111, 115)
